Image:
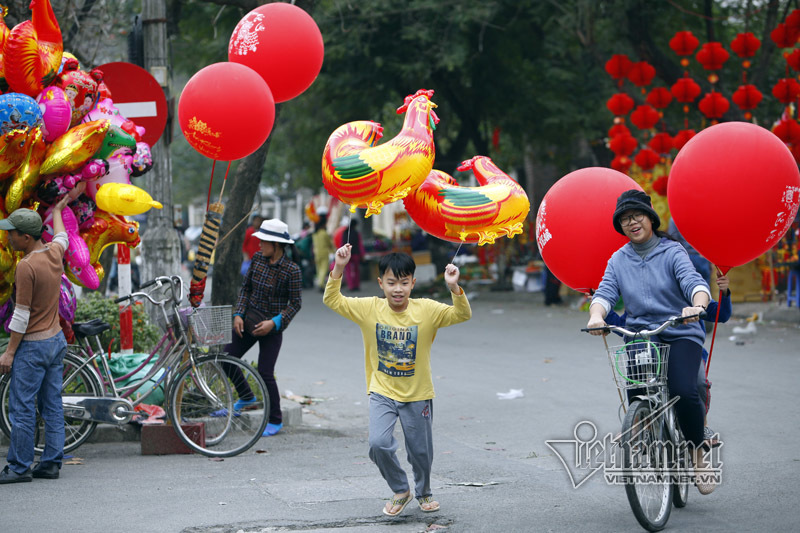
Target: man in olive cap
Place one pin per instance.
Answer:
(36, 347)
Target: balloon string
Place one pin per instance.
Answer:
(458, 250)
(714, 334)
(349, 220)
(224, 181)
(210, 182)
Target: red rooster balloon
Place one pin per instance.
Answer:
(470, 214)
(32, 50)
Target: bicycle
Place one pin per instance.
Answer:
(656, 463)
(217, 404)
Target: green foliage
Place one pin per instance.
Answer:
(145, 335)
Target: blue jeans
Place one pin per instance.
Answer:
(37, 371)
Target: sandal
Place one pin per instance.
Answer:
(402, 502)
(428, 500)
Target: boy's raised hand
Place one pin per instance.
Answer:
(451, 275)
(723, 283)
(343, 255)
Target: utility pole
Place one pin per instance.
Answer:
(160, 242)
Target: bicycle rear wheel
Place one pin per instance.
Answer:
(645, 463)
(79, 380)
(205, 393)
(680, 465)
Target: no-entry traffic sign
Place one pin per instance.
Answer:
(138, 96)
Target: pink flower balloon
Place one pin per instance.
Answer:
(56, 112)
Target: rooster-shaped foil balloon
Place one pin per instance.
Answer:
(364, 175)
(32, 51)
(469, 214)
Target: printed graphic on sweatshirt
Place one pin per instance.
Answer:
(397, 349)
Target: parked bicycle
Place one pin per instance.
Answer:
(656, 461)
(217, 404)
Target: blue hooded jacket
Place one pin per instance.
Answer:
(654, 288)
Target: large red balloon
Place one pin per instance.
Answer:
(574, 230)
(226, 111)
(283, 44)
(733, 191)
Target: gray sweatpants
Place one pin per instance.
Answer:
(416, 419)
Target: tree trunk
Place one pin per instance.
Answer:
(225, 279)
(160, 242)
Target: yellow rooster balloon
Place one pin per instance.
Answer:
(70, 151)
(27, 175)
(361, 174)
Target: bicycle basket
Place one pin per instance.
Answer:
(639, 363)
(211, 325)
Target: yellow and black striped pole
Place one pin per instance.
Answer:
(208, 240)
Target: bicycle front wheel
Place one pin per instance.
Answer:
(201, 404)
(646, 466)
(680, 465)
(79, 380)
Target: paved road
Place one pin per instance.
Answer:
(493, 470)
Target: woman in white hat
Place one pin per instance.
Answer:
(270, 297)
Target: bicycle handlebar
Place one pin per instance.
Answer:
(672, 321)
(176, 288)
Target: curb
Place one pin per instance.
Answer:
(292, 416)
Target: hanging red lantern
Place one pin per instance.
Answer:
(618, 129)
(618, 66)
(793, 59)
(641, 73)
(660, 185)
(681, 138)
(784, 36)
(714, 105)
(620, 104)
(684, 43)
(787, 130)
(747, 97)
(786, 90)
(795, 152)
(793, 22)
(685, 90)
(712, 56)
(647, 159)
(660, 97)
(661, 143)
(621, 163)
(645, 117)
(745, 45)
(623, 144)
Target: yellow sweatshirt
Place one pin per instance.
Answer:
(397, 346)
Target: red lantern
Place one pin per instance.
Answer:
(685, 90)
(620, 104)
(784, 36)
(647, 159)
(787, 130)
(226, 111)
(681, 138)
(714, 105)
(660, 185)
(786, 90)
(747, 97)
(793, 59)
(283, 44)
(579, 209)
(621, 163)
(645, 117)
(618, 66)
(793, 22)
(661, 143)
(660, 97)
(641, 73)
(684, 43)
(618, 129)
(734, 167)
(712, 56)
(623, 144)
(745, 45)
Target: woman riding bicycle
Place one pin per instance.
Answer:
(655, 278)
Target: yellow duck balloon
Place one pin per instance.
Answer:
(124, 199)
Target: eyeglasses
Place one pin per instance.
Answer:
(630, 219)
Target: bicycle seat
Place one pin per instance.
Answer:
(88, 329)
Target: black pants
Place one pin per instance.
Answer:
(268, 348)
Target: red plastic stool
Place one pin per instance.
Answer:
(793, 288)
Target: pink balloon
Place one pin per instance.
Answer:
(574, 228)
(733, 192)
(119, 171)
(56, 112)
(77, 254)
(106, 110)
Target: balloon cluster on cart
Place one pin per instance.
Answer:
(61, 134)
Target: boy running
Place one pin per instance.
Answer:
(398, 332)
